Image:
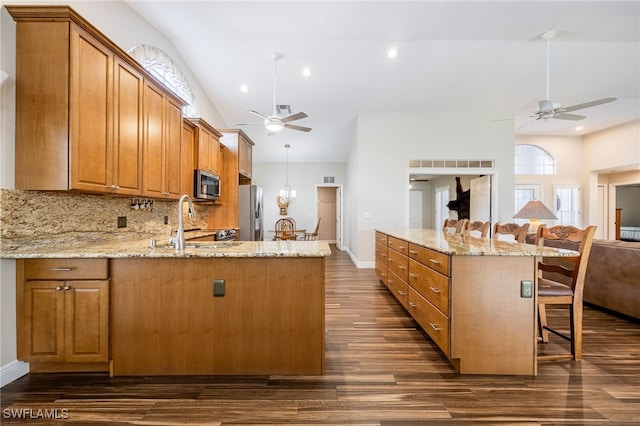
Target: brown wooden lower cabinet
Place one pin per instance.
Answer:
(470, 306)
(63, 314)
(167, 319)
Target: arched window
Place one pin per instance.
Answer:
(533, 160)
(161, 66)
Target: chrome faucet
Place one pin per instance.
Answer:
(178, 240)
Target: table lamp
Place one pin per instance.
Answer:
(534, 210)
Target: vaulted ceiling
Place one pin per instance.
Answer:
(463, 58)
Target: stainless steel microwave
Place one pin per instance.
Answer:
(206, 186)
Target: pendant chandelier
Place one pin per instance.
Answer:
(287, 195)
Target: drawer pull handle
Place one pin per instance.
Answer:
(58, 288)
(401, 292)
(412, 304)
(401, 247)
(435, 290)
(434, 326)
(413, 252)
(412, 275)
(435, 262)
(389, 281)
(67, 288)
(401, 267)
(61, 269)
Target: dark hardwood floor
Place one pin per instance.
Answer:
(380, 370)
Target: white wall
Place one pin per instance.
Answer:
(386, 143)
(303, 177)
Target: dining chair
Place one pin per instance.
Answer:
(454, 226)
(477, 228)
(562, 283)
(312, 236)
(285, 229)
(519, 232)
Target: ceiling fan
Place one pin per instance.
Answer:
(548, 109)
(275, 123)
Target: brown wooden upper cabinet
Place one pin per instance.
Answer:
(242, 146)
(207, 147)
(80, 108)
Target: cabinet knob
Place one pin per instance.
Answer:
(58, 288)
(67, 288)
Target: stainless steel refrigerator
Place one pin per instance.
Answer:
(250, 213)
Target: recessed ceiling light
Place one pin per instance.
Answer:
(244, 88)
(306, 72)
(392, 53)
(579, 128)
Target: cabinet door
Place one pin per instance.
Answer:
(86, 321)
(186, 156)
(44, 308)
(153, 159)
(127, 128)
(245, 159)
(91, 112)
(173, 144)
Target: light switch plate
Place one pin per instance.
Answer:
(526, 289)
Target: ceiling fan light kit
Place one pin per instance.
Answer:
(274, 122)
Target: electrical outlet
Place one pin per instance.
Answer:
(218, 288)
(166, 220)
(122, 221)
(526, 289)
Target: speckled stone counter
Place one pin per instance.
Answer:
(460, 245)
(134, 244)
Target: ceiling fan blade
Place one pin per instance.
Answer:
(574, 117)
(256, 113)
(296, 116)
(294, 127)
(247, 124)
(589, 104)
(526, 123)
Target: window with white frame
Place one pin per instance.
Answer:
(161, 66)
(567, 199)
(524, 194)
(533, 160)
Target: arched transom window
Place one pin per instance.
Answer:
(161, 66)
(533, 160)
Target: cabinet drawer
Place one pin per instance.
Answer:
(381, 251)
(381, 238)
(398, 288)
(381, 270)
(430, 284)
(65, 269)
(398, 263)
(430, 258)
(398, 245)
(432, 321)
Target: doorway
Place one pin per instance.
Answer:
(329, 212)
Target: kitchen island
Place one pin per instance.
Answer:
(475, 297)
(213, 308)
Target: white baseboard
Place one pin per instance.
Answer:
(13, 371)
(359, 265)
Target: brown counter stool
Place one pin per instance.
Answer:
(454, 226)
(519, 232)
(564, 284)
(478, 226)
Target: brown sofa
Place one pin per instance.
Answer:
(613, 275)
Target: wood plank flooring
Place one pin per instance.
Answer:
(380, 370)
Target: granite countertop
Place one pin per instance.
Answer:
(133, 244)
(460, 245)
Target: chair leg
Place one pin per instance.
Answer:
(542, 323)
(576, 332)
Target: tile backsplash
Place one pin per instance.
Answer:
(37, 213)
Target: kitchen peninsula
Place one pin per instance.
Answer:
(475, 297)
(213, 308)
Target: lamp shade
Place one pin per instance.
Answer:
(535, 210)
